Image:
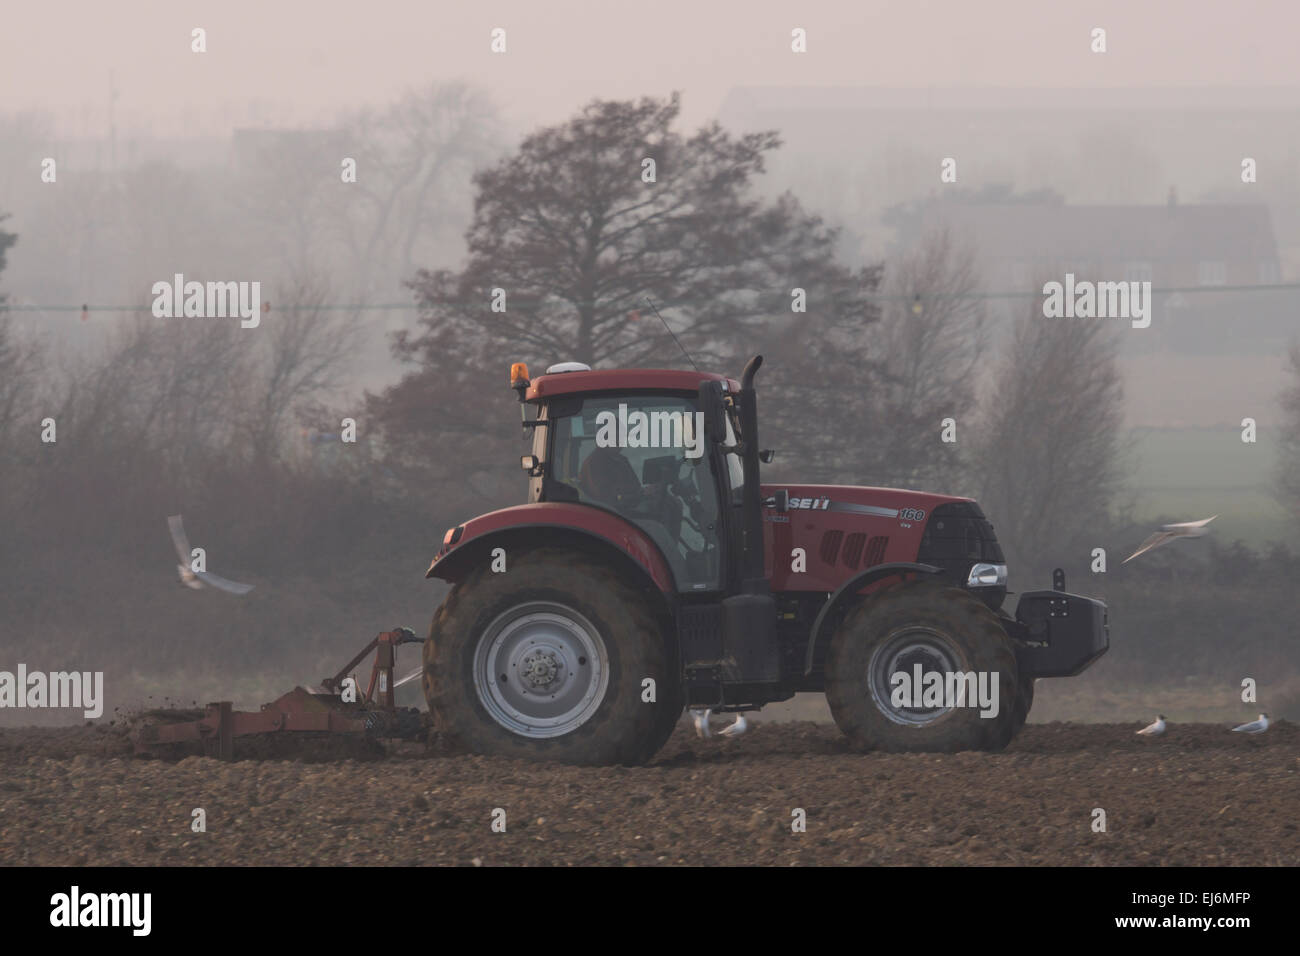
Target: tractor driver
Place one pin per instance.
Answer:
(608, 477)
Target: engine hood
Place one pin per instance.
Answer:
(855, 499)
(830, 532)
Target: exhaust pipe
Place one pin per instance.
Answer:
(753, 580)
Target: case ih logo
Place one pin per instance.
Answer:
(810, 504)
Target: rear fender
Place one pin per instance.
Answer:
(548, 523)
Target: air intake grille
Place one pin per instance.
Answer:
(831, 545)
(876, 550)
(853, 545)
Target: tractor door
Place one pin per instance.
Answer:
(643, 457)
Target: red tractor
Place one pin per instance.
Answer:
(651, 570)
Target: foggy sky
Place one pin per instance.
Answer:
(290, 63)
(293, 61)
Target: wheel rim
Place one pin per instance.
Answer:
(902, 651)
(541, 670)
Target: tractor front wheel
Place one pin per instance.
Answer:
(1024, 702)
(921, 667)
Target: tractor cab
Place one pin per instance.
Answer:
(659, 449)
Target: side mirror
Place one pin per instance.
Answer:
(715, 415)
(766, 455)
(530, 464)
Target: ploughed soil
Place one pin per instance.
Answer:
(1199, 795)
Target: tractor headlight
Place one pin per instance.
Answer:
(987, 576)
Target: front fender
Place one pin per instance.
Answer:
(852, 586)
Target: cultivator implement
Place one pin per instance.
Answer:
(337, 710)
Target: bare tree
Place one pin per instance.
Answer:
(817, 394)
(878, 385)
(162, 387)
(931, 346)
(284, 184)
(20, 374)
(414, 159)
(299, 352)
(1048, 447)
(20, 362)
(1288, 459)
(188, 390)
(22, 136)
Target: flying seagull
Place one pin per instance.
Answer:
(1254, 727)
(735, 730)
(701, 718)
(196, 579)
(1156, 729)
(409, 677)
(1187, 529)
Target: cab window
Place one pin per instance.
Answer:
(645, 458)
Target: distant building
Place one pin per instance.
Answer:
(1171, 245)
(853, 154)
(1185, 251)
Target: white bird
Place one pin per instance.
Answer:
(196, 579)
(1155, 729)
(736, 729)
(189, 578)
(1185, 529)
(1254, 727)
(409, 677)
(701, 718)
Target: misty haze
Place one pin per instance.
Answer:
(294, 275)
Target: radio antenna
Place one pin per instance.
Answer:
(673, 334)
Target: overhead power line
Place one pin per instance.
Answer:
(881, 297)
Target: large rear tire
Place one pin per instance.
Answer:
(941, 629)
(547, 660)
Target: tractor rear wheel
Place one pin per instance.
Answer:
(915, 629)
(547, 661)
